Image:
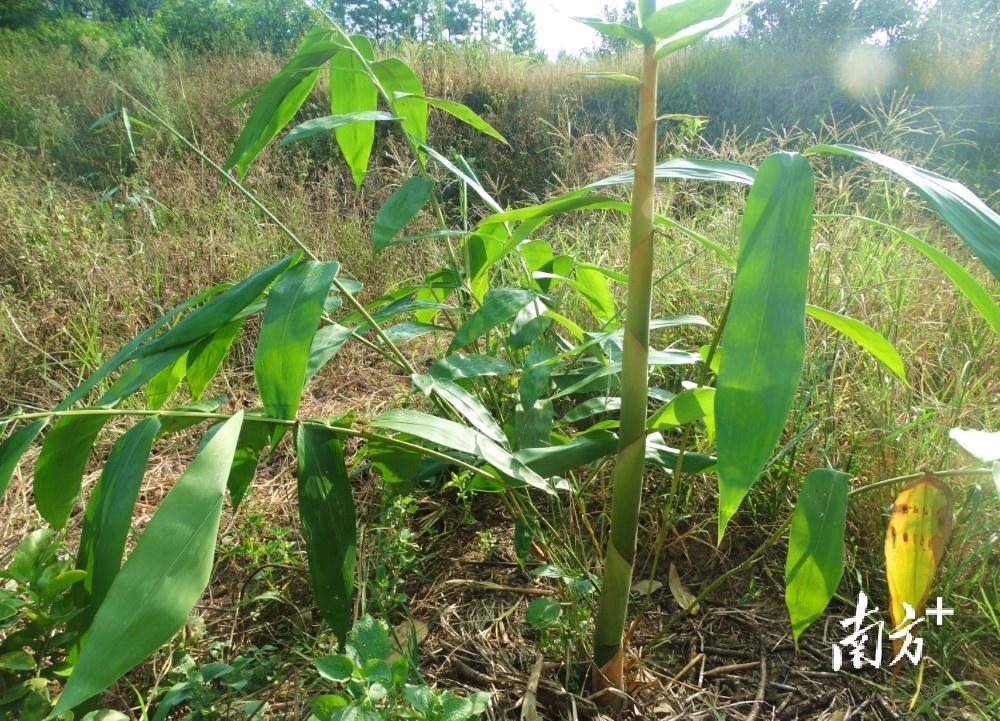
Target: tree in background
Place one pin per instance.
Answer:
(612, 46)
(822, 22)
(517, 29)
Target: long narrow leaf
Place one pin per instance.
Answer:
(294, 308)
(217, 312)
(871, 340)
(281, 98)
(60, 465)
(326, 510)
(722, 171)
(815, 561)
(972, 220)
(395, 76)
(499, 305)
(108, 517)
(13, 447)
(352, 91)
(680, 16)
(964, 281)
(764, 342)
(165, 575)
(399, 210)
(321, 126)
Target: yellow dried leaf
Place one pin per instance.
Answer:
(919, 528)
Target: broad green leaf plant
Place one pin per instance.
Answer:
(524, 402)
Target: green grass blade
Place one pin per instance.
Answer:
(399, 210)
(973, 221)
(165, 575)
(815, 562)
(108, 517)
(764, 342)
(326, 510)
(868, 338)
(291, 318)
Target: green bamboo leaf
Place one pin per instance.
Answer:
(205, 358)
(499, 305)
(614, 77)
(253, 437)
(464, 403)
(460, 365)
(764, 342)
(161, 386)
(815, 562)
(463, 439)
(326, 343)
(660, 454)
(689, 405)
(399, 210)
(566, 203)
(677, 17)
(108, 517)
(141, 371)
(281, 98)
(592, 407)
(395, 76)
(592, 285)
(13, 447)
(963, 279)
(683, 39)
(722, 171)
(636, 36)
(323, 125)
(130, 348)
(558, 460)
(868, 338)
(217, 312)
(153, 593)
(60, 465)
(466, 115)
(973, 221)
(174, 424)
(326, 511)
(352, 90)
(294, 308)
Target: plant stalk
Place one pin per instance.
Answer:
(630, 461)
